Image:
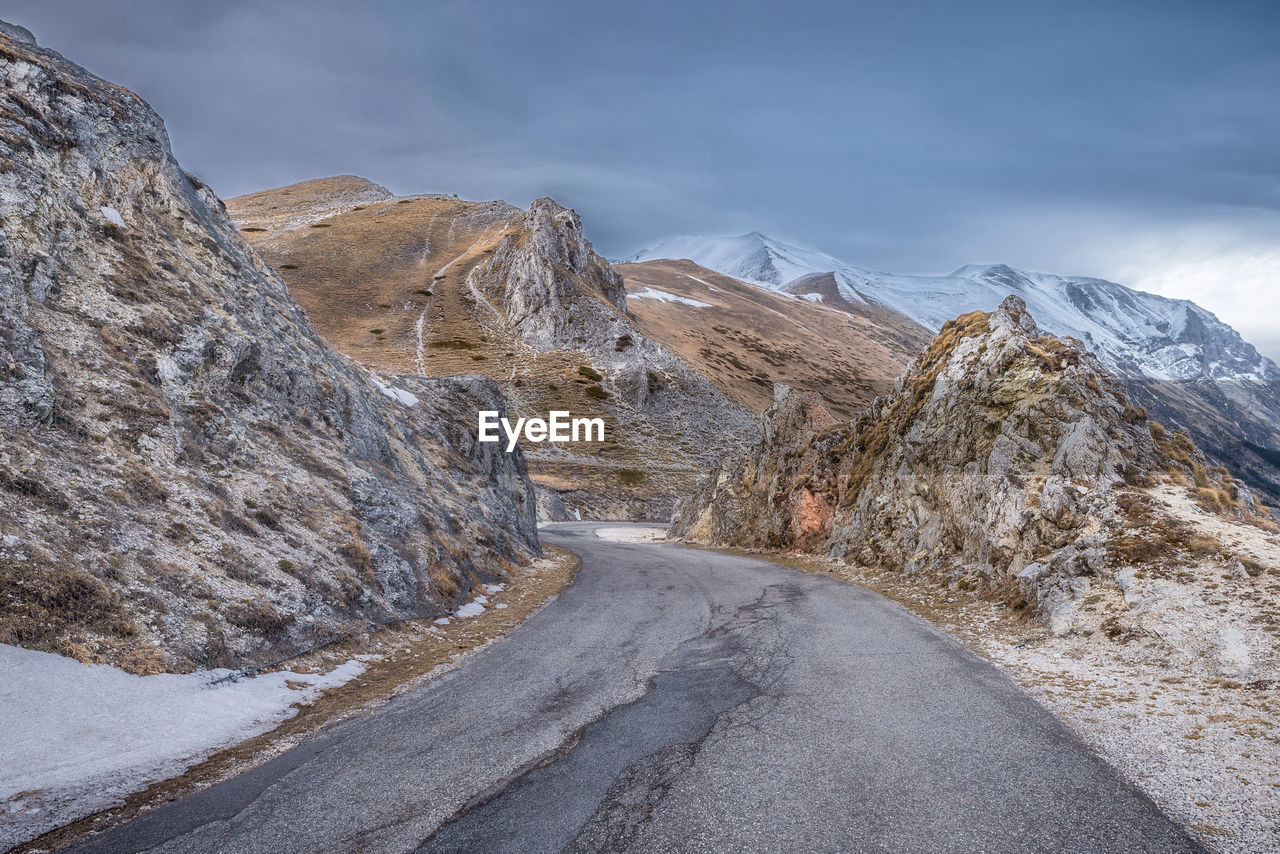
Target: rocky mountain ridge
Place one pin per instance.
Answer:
(189, 475)
(1131, 332)
(1189, 368)
(435, 285)
(1002, 455)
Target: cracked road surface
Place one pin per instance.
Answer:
(675, 700)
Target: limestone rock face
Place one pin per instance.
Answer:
(19, 34)
(193, 476)
(545, 288)
(551, 286)
(764, 498)
(998, 453)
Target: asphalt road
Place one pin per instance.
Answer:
(675, 700)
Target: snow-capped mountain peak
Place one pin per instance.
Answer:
(751, 257)
(1136, 333)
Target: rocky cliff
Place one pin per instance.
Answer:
(548, 284)
(189, 475)
(433, 285)
(999, 456)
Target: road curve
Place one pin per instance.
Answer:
(676, 700)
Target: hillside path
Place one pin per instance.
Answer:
(679, 700)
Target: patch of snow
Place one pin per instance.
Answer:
(701, 282)
(397, 394)
(501, 606)
(443, 621)
(663, 296)
(472, 609)
(813, 297)
(112, 216)
(80, 737)
(633, 534)
(10, 540)
(419, 358)
(1233, 653)
(494, 588)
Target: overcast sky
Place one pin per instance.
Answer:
(1138, 141)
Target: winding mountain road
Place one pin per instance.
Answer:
(681, 700)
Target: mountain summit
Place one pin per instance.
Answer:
(1130, 331)
(1180, 361)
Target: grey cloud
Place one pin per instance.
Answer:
(909, 136)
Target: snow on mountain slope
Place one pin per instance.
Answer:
(1136, 333)
(752, 258)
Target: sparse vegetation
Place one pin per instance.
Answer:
(1134, 414)
(590, 373)
(872, 436)
(631, 477)
(48, 605)
(597, 392)
(1052, 354)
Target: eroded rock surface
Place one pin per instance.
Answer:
(192, 476)
(999, 455)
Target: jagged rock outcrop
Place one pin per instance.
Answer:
(764, 498)
(998, 454)
(189, 476)
(545, 287)
(550, 285)
(545, 284)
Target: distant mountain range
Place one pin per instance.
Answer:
(1186, 366)
(1131, 331)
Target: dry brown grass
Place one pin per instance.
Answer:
(872, 437)
(1134, 414)
(48, 604)
(1052, 354)
(374, 268)
(747, 339)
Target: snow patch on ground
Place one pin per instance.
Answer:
(474, 608)
(633, 534)
(663, 296)
(80, 737)
(701, 281)
(397, 394)
(112, 216)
